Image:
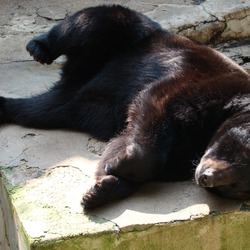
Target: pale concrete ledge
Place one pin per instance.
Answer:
(44, 173)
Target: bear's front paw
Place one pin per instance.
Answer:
(39, 49)
(101, 192)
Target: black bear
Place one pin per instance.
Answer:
(162, 99)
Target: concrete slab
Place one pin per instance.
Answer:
(44, 173)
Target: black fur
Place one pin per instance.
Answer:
(159, 96)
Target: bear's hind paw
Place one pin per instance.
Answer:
(106, 189)
(100, 193)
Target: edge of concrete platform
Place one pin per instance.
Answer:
(217, 230)
(227, 231)
(13, 234)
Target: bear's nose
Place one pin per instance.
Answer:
(205, 177)
(205, 180)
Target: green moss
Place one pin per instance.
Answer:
(245, 206)
(99, 241)
(4, 172)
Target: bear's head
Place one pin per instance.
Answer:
(225, 166)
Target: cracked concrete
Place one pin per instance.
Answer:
(206, 22)
(44, 173)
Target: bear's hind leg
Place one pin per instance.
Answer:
(109, 187)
